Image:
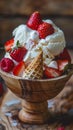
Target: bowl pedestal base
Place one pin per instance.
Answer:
(34, 113)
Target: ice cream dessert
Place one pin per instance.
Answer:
(37, 50)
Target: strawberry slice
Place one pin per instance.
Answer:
(34, 20)
(52, 72)
(62, 64)
(65, 55)
(8, 45)
(18, 53)
(45, 29)
(18, 70)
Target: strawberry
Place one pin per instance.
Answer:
(1, 89)
(65, 55)
(62, 64)
(51, 72)
(18, 53)
(6, 64)
(61, 128)
(8, 45)
(45, 29)
(34, 20)
(17, 71)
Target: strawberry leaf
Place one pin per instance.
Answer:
(18, 44)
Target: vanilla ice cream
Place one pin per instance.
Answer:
(24, 35)
(52, 45)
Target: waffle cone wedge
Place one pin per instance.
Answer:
(35, 68)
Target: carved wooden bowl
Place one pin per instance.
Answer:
(35, 94)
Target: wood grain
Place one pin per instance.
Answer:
(9, 117)
(33, 95)
(11, 105)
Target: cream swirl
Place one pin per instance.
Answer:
(52, 45)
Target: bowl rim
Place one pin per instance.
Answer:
(37, 80)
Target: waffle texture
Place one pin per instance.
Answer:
(35, 69)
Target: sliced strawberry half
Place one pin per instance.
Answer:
(18, 70)
(8, 45)
(34, 20)
(45, 29)
(65, 55)
(62, 64)
(18, 53)
(52, 72)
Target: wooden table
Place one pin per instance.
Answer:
(11, 105)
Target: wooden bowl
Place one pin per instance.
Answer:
(35, 94)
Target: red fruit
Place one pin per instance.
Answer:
(45, 29)
(34, 20)
(61, 128)
(1, 89)
(17, 71)
(51, 72)
(65, 55)
(62, 64)
(6, 64)
(8, 45)
(18, 54)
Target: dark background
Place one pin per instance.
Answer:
(15, 12)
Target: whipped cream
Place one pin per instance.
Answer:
(53, 64)
(52, 45)
(24, 35)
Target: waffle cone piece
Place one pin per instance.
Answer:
(35, 68)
